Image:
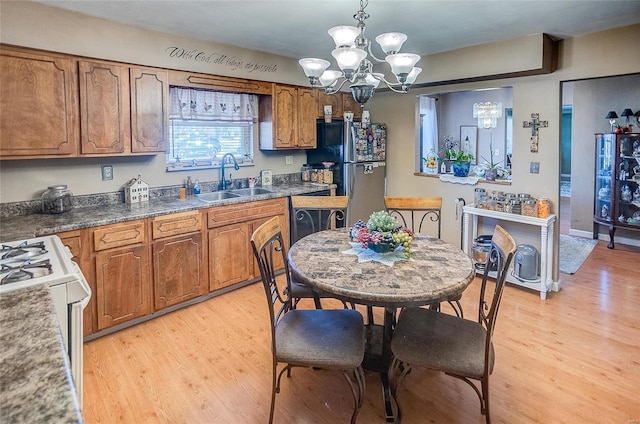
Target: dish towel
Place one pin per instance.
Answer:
(368, 255)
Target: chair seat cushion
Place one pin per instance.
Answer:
(442, 342)
(323, 338)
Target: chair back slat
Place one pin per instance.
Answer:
(316, 213)
(267, 245)
(418, 208)
(503, 248)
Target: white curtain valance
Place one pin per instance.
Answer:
(205, 105)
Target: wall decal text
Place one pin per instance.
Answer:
(222, 59)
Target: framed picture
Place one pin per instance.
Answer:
(469, 141)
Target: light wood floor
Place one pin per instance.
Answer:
(574, 358)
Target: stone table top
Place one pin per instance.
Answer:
(437, 271)
(36, 380)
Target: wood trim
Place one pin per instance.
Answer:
(413, 202)
(216, 82)
(319, 202)
(117, 235)
(174, 224)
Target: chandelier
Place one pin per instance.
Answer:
(487, 114)
(351, 54)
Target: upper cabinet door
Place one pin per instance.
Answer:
(104, 108)
(149, 110)
(38, 105)
(286, 116)
(307, 101)
(333, 100)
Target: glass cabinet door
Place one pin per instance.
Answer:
(628, 184)
(603, 205)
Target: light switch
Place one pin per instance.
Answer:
(107, 172)
(288, 160)
(534, 167)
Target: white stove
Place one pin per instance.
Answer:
(45, 260)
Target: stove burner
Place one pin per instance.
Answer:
(25, 271)
(24, 249)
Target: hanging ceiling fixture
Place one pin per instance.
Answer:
(351, 54)
(487, 114)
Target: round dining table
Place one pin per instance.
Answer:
(435, 271)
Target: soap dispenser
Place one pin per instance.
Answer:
(196, 187)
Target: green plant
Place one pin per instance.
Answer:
(458, 156)
(491, 164)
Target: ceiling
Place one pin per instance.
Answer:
(298, 28)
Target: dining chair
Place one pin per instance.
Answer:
(317, 338)
(457, 346)
(310, 214)
(416, 213)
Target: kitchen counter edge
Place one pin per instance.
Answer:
(36, 225)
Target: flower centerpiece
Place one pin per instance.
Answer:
(382, 234)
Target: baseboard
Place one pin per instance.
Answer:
(605, 237)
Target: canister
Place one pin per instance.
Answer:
(479, 196)
(529, 208)
(544, 207)
(57, 199)
(306, 172)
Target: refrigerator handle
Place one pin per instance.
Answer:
(349, 142)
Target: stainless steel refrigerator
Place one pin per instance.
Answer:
(358, 151)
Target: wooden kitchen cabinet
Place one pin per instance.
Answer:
(231, 258)
(340, 103)
(149, 110)
(38, 104)
(122, 264)
(287, 119)
(307, 133)
(180, 269)
(105, 114)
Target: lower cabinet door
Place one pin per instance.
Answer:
(179, 270)
(123, 285)
(230, 255)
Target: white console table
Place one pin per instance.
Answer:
(542, 284)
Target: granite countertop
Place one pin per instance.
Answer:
(36, 381)
(437, 270)
(35, 225)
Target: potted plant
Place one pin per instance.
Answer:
(460, 162)
(491, 172)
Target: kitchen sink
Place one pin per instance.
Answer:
(216, 195)
(251, 191)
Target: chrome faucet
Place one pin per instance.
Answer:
(223, 183)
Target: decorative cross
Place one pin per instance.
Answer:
(535, 124)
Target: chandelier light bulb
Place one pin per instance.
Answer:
(329, 78)
(411, 78)
(391, 42)
(402, 64)
(344, 35)
(348, 58)
(313, 67)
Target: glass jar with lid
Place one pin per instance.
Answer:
(543, 207)
(529, 207)
(479, 197)
(306, 172)
(57, 199)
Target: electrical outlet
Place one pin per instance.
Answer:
(107, 172)
(496, 152)
(534, 167)
(288, 160)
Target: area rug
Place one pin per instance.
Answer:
(573, 252)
